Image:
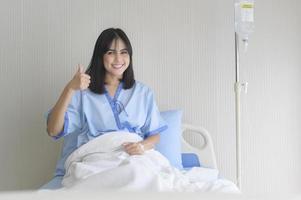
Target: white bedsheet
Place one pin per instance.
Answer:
(102, 164)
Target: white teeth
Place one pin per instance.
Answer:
(117, 66)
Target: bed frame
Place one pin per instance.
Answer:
(198, 140)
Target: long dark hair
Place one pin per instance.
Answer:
(96, 69)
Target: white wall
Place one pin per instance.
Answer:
(184, 50)
(272, 107)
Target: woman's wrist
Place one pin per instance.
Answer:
(150, 142)
(146, 145)
(69, 88)
(141, 146)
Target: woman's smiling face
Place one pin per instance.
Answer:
(117, 59)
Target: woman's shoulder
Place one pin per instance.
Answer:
(142, 87)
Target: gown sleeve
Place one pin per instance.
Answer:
(73, 116)
(154, 123)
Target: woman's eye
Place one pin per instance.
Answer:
(109, 52)
(124, 52)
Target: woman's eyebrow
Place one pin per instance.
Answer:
(125, 49)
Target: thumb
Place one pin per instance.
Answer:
(80, 69)
(125, 143)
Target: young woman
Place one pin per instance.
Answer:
(107, 98)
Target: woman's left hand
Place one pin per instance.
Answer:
(133, 148)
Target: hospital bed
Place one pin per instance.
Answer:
(195, 141)
(197, 150)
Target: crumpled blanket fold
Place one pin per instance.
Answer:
(102, 164)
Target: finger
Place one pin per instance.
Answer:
(135, 152)
(86, 82)
(131, 152)
(125, 144)
(133, 148)
(85, 76)
(128, 150)
(84, 86)
(126, 147)
(83, 79)
(80, 69)
(129, 145)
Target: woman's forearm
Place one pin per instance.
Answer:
(55, 121)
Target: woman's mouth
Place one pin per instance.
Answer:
(117, 66)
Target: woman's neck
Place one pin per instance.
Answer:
(112, 81)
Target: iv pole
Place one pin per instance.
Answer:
(246, 16)
(237, 88)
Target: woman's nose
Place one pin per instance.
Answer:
(118, 57)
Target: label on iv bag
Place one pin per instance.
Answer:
(247, 12)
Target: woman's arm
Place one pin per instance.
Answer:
(138, 148)
(55, 122)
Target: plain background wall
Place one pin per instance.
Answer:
(184, 50)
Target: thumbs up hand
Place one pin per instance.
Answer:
(80, 80)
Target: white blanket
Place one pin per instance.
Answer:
(102, 164)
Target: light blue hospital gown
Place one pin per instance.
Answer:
(89, 115)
